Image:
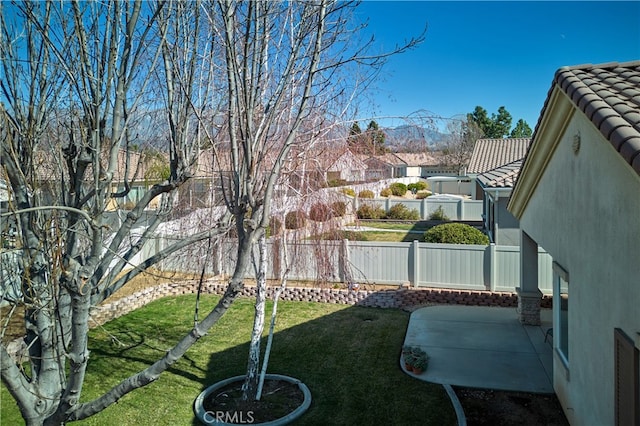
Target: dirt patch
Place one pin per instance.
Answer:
(484, 407)
(279, 398)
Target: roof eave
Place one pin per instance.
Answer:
(556, 116)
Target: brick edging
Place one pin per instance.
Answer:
(390, 298)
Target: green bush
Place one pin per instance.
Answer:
(385, 192)
(349, 191)
(366, 194)
(332, 183)
(369, 212)
(339, 208)
(402, 212)
(295, 219)
(438, 214)
(417, 186)
(398, 189)
(455, 233)
(423, 194)
(320, 212)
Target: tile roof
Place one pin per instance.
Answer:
(491, 153)
(501, 177)
(419, 158)
(389, 158)
(609, 95)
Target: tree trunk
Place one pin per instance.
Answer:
(272, 325)
(250, 386)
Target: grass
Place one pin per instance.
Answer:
(393, 237)
(417, 227)
(347, 356)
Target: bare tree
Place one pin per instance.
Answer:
(459, 142)
(284, 62)
(75, 77)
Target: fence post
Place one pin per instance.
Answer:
(387, 204)
(345, 274)
(217, 258)
(492, 267)
(462, 210)
(423, 209)
(415, 247)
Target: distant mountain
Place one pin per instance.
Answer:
(410, 138)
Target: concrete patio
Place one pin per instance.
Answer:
(483, 347)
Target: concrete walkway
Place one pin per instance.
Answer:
(482, 347)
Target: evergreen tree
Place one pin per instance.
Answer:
(522, 130)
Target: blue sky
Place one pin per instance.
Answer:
(492, 53)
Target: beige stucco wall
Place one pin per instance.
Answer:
(586, 213)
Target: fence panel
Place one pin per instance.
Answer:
(452, 266)
(379, 262)
(421, 264)
(450, 208)
(472, 210)
(507, 272)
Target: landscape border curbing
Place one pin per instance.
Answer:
(201, 414)
(401, 298)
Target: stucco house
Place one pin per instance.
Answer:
(385, 166)
(493, 169)
(578, 197)
(489, 154)
(497, 184)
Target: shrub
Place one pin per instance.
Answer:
(402, 212)
(339, 208)
(398, 189)
(295, 219)
(320, 212)
(366, 194)
(385, 192)
(332, 183)
(455, 233)
(349, 191)
(438, 214)
(369, 212)
(417, 186)
(423, 194)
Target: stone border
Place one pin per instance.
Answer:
(401, 297)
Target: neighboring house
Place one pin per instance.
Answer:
(135, 173)
(339, 165)
(578, 197)
(387, 166)
(489, 154)
(496, 185)
(425, 165)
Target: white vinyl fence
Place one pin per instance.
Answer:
(456, 266)
(454, 208)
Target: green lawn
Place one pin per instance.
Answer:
(392, 237)
(347, 356)
(417, 227)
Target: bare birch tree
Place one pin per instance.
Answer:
(75, 75)
(285, 64)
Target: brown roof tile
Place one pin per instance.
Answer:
(489, 154)
(501, 177)
(609, 95)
